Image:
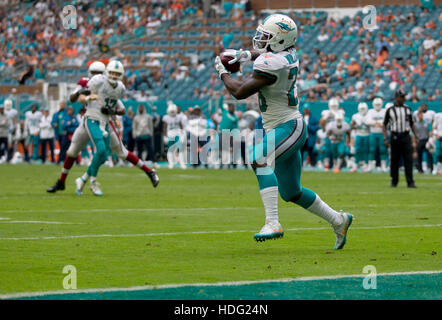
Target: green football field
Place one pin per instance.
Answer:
(192, 237)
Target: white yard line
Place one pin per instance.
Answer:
(132, 209)
(132, 235)
(39, 222)
(216, 284)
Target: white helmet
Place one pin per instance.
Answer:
(277, 31)
(172, 109)
(333, 104)
(377, 103)
(362, 108)
(339, 118)
(114, 71)
(96, 67)
(7, 104)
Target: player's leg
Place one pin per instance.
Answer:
(79, 140)
(288, 172)
(383, 152)
(373, 144)
(327, 154)
(101, 145)
(261, 162)
(120, 150)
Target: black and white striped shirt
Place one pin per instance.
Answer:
(400, 118)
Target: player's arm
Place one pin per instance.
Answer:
(120, 109)
(243, 56)
(348, 138)
(76, 95)
(244, 89)
(414, 137)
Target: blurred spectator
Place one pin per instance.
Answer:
(312, 127)
(68, 124)
(32, 127)
(57, 120)
(323, 36)
(354, 69)
(4, 131)
(46, 136)
(20, 138)
(142, 128)
(128, 139)
(423, 130)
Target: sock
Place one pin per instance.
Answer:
(85, 177)
(321, 209)
(266, 178)
(68, 163)
(93, 179)
(269, 198)
(132, 158)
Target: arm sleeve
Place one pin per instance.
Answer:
(410, 119)
(95, 83)
(268, 65)
(387, 117)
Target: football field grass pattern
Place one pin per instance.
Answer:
(198, 226)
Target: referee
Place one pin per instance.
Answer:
(400, 121)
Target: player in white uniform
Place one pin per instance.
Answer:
(428, 117)
(276, 159)
(437, 134)
(174, 136)
(375, 120)
(362, 132)
(12, 117)
(81, 138)
(320, 146)
(32, 127)
(338, 132)
(328, 116)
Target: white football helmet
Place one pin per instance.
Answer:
(172, 109)
(362, 108)
(377, 103)
(333, 104)
(277, 32)
(114, 71)
(7, 104)
(96, 67)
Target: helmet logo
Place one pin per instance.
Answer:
(284, 27)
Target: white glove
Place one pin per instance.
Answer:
(240, 55)
(220, 67)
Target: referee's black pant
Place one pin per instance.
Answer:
(401, 147)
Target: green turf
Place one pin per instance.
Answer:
(205, 201)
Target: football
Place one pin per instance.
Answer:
(234, 67)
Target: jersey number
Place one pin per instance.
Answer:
(262, 102)
(293, 75)
(293, 101)
(110, 103)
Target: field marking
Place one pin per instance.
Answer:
(418, 205)
(131, 209)
(215, 284)
(39, 222)
(135, 235)
(8, 220)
